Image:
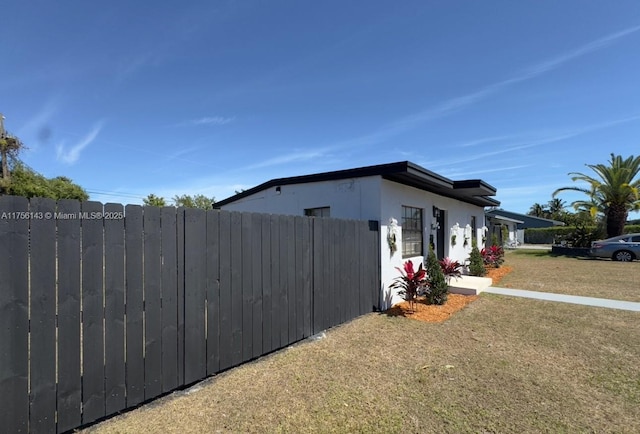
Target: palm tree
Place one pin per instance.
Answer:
(613, 192)
(537, 210)
(556, 206)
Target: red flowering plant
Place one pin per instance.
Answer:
(410, 282)
(450, 268)
(493, 256)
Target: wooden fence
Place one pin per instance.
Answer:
(103, 307)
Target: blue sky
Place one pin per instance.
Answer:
(208, 97)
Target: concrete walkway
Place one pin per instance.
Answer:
(575, 299)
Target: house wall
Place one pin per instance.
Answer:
(393, 197)
(356, 198)
(373, 198)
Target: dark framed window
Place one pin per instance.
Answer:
(412, 231)
(324, 211)
(474, 234)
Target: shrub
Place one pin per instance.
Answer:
(476, 264)
(582, 236)
(409, 282)
(559, 233)
(494, 239)
(437, 287)
(493, 256)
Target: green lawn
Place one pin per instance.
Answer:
(502, 365)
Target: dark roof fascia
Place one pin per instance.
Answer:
(403, 172)
(479, 185)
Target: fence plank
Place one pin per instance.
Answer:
(69, 380)
(152, 302)
(356, 261)
(316, 276)
(195, 349)
(298, 276)
(14, 316)
(169, 313)
(307, 278)
(330, 276)
(366, 266)
(93, 387)
(336, 276)
(180, 240)
(134, 299)
(256, 276)
(353, 272)
(374, 248)
(247, 288)
(236, 288)
(276, 288)
(266, 283)
(226, 347)
(213, 292)
(291, 279)
(43, 315)
(115, 385)
(283, 311)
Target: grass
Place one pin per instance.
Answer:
(500, 365)
(538, 270)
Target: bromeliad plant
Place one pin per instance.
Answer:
(410, 282)
(493, 256)
(450, 269)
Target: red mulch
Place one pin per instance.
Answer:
(455, 302)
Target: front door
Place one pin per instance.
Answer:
(440, 235)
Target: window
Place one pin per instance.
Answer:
(318, 212)
(474, 228)
(411, 231)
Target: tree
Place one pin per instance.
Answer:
(10, 147)
(197, 201)
(18, 179)
(29, 183)
(556, 208)
(476, 263)
(153, 200)
(436, 282)
(614, 191)
(537, 210)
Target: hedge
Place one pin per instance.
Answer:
(547, 235)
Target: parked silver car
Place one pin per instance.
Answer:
(621, 248)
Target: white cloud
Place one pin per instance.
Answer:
(207, 120)
(291, 157)
(70, 156)
(460, 102)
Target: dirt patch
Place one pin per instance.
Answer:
(455, 302)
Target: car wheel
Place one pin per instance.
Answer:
(623, 256)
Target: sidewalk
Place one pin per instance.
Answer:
(574, 299)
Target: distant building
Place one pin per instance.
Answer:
(516, 223)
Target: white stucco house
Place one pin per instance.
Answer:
(413, 205)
